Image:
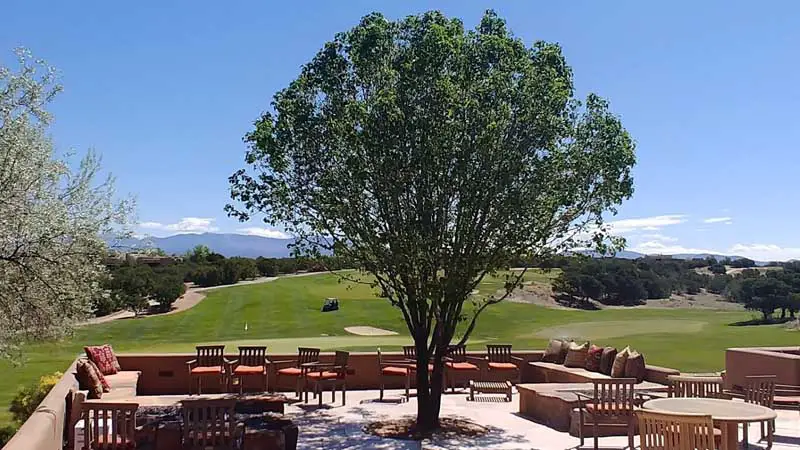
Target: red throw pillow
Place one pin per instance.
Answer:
(103, 357)
(100, 376)
(89, 378)
(593, 358)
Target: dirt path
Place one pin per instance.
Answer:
(191, 298)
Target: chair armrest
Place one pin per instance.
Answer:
(191, 363)
(285, 361)
(518, 359)
(583, 399)
(230, 362)
(480, 359)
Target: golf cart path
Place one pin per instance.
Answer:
(192, 297)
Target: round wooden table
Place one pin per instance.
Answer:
(728, 414)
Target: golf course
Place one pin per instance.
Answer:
(285, 314)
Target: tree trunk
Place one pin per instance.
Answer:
(783, 313)
(429, 392)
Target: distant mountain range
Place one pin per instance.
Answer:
(229, 244)
(626, 254)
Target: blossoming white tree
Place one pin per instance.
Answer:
(52, 216)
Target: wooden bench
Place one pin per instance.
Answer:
(490, 387)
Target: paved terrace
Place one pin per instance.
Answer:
(339, 427)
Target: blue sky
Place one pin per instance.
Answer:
(166, 90)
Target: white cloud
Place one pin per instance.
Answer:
(765, 252)
(661, 248)
(659, 237)
(725, 220)
(645, 223)
(185, 225)
(264, 232)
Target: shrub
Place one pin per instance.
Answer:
(231, 271)
(6, 433)
(206, 276)
(267, 267)
(28, 397)
(167, 290)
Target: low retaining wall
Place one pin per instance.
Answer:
(44, 430)
(784, 362)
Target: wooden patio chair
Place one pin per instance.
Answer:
(760, 390)
(394, 369)
(252, 362)
(457, 362)
(297, 368)
(109, 426)
(209, 362)
(211, 424)
(671, 431)
(696, 387)
(500, 360)
(329, 374)
(612, 405)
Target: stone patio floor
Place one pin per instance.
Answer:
(337, 427)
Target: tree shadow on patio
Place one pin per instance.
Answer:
(321, 429)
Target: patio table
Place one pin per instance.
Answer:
(728, 414)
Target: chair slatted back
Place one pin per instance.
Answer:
(695, 387)
(410, 352)
(109, 426)
(210, 355)
(613, 397)
(209, 423)
(760, 389)
(500, 353)
(669, 431)
(307, 355)
(252, 355)
(340, 361)
(458, 353)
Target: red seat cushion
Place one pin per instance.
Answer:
(323, 375)
(607, 408)
(248, 370)
(502, 366)
(462, 366)
(211, 370)
(291, 371)
(398, 371)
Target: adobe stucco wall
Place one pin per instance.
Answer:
(781, 361)
(44, 430)
(168, 373)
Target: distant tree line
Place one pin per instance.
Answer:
(140, 287)
(614, 281)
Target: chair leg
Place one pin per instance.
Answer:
(241, 385)
(596, 434)
(408, 387)
(630, 434)
(380, 398)
(319, 390)
(344, 393)
(580, 428)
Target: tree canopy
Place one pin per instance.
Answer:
(430, 156)
(52, 215)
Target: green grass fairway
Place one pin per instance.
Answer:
(286, 313)
(592, 331)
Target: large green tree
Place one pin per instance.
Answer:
(53, 215)
(430, 156)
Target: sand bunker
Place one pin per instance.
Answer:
(369, 331)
